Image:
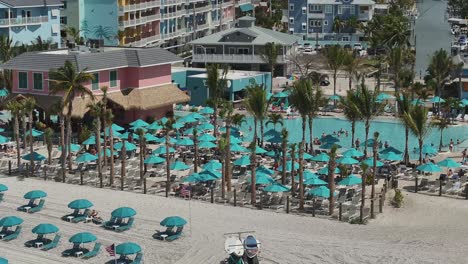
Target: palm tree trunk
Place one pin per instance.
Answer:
(363, 195)
(31, 148)
(123, 155)
(283, 172)
(350, 80)
(142, 157)
(215, 120)
(406, 155)
(195, 147)
(99, 151)
(69, 132)
(223, 178)
(440, 142)
(227, 160)
(17, 138)
(25, 134)
(111, 143)
(168, 168)
(63, 157)
(293, 185)
(311, 135)
(301, 165)
(261, 131)
(367, 127)
(105, 134)
(331, 185)
(334, 84)
(253, 162)
(374, 173)
(353, 131)
(420, 141)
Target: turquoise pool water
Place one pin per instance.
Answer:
(390, 130)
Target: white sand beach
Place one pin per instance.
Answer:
(428, 229)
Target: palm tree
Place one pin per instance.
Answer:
(28, 106)
(334, 56)
(352, 24)
(69, 82)
(441, 124)
(216, 87)
(15, 109)
(6, 48)
(142, 144)
(270, 57)
(375, 149)
(108, 117)
(48, 136)
(104, 90)
(102, 32)
(404, 105)
(293, 158)
(168, 127)
(231, 119)
(395, 62)
(284, 146)
(317, 101)
(123, 156)
(439, 70)
(222, 146)
(300, 98)
(57, 109)
(353, 66)
(416, 120)
(351, 111)
(331, 178)
(96, 111)
(364, 168)
(256, 105)
(74, 33)
(338, 25)
(195, 148)
(274, 119)
(38, 44)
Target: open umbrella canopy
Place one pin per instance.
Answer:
(185, 142)
(108, 152)
(262, 179)
(3, 261)
(347, 161)
(212, 173)
(3, 188)
(173, 221)
(322, 157)
(154, 160)
(163, 120)
(178, 125)
(151, 138)
(123, 212)
(154, 126)
(428, 149)
(307, 175)
(196, 115)
(43, 229)
(83, 237)
(335, 97)
(238, 148)
(35, 194)
(126, 135)
(116, 127)
(350, 180)
(329, 145)
(324, 171)
(260, 150)
(370, 143)
(392, 156)
(86, 157)
(128, 146)
(4, 139)
(206, 137)
(234, 140)
(329, 139)
(207, 110)
(390, 149)
(449, 163)
(163, 140)
(429, 167)
(179, 165)
(321, 191)
(353, 153)
(195, 178)
(464, 102)
(72, 148)
(138, 123)
(80, 204)
(92, 141)
(36, 133)
(35, 156)
(206, 145)
(242, 161)
(10, 221)
(127, 248)
(205, 126)
(384, 96)
(162, 150)
(276, 187)
(282, 94)
(265, 170)
(370, 162)
(4, 92)
(289, 166)
(213, 165)
(437, 99)
(187, 119)
(314, 181)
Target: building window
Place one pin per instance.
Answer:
(63, 20)
(352, 10)
(291, 31)
(315, 23)
(291, 20)
(113, 78)
(325, 22)
(315, 8)
(95, 82)
(346, 38)
(304, 26)
(22, 80)
(329, 9)
(304, 10)
(243, 51)
(291, 7)
(340, 10)
(37, 78)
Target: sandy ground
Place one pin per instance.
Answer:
(428, 229)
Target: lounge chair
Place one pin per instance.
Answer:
(71, 251)
(13, 235)
(110, 224)
(52, 244)
(138, 259)
(169, 235)
(37, 208)
(81, 217)
(23, 207)
(1, 197)
(94, 252)
(126, 226)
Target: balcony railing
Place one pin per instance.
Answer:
(316, 15)
(140, 6)
(174, 14)
(232, 58)
(24, 21)
(139, 21)
(144, 41)
(203, 9)
(364, 16)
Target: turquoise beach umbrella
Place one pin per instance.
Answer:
(10, 221)
(172, 221)
(163, 120)
(270, 153)
(3, 261)
(315, 181)
(265, 170)
(282, 94)
(92, 141)
(185, 142)
(187, 119)
(289, 166)
(205, 126)
(108, 152)
(178, 125)
(188, 131)
(350, 180)
(154, 126)
(128, 146)
(72, 148)
(4, 92)
(123, 212)
(35, 194)
(329, 145)
(238, 148)
(196, 115)
(80, 204)
(206, 137)
(4, 139)
(335, 97)
(206, 145)
(259, 150)
(154, 160)
(234, 140)
(3, 188)
(262, 179)
(82, 238)
(392, 156)
(321, 191)
(353, 153)
(428, 149)
(429, 167)
(127, 248)
(322, 157)
(437, 99)
(179, 166)
(369, 143)
(116, 128)
(162, 150)
(417, 102)
(44, 229)
(384, 96)
(163, 140)
(329, 139)
(464, 102)
(150, 138)
(242, 161)
(138, 123)
(347, 161)
(324, 171)
(195, 178)
(276, 187)
(449, 163)
(212, 165)
(390, 149)
(207, 110)
(86, 157)
(36, 133)
(212, 173)
(307, 175)
(35, 156)
(370, 162)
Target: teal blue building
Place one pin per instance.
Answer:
(194, 82)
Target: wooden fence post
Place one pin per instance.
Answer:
(235, 197)
(287, 204)
(212, 195)
(380, 204)
(9, 167)
(340, 211)
(372, 208)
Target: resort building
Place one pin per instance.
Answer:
(242, 47)
(138, 79)
(140, 23)
(194, 82)
(25, 20)
(315, 19)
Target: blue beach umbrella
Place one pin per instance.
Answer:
(276, 187)
(262, 179)
(3, 188)
(392, 156)
(212, 173)
(324, 171)
(187, 119)
(383, 96)
(126, 135)
(206, 137)
(10, 221)
(195, 178)
(35, 156)
(35, 194)
(353, 153)
(347, 161)
(428, 149)
(429, 167)
(238, 148)
(72, 148)
(173, 221)
(3, 260)
(178, 125)
(205, 126)
(206, 145)
(259, 150)
(212, 165)
(321, 191)
(4, 139)
(185, 142)
(265, 170)
(82, 238)
(179, 166)
(128, 146)
(369, 143)
(44, 229)
(138, 123)
(329, 139)
(370, 162)
(334, 97)
(307, 175)
(188, 131)
(322, 157)
(4, 92)
(289, 166)
(315, 181)
(123, 212)
(464, 102)
(162, 150)
(92, 141)
(86, 157)
(329, 145)
(242, 161)
(116, 127)
(271, 153)
(207, 110)
(234, 140)
(127, 248)
(282, 94)
(108, 152)
(36, 133)
(350, 180)
(154, 126)
(80, 204)
(151, 138)
(154, 160)
(437, 99)
(390, 149)
(449, 163)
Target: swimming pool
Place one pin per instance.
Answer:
(390, 130)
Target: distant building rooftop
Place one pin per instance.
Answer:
(232, 75)
(31, 3)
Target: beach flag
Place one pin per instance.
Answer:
(111, 250)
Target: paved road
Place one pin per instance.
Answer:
(432, 32)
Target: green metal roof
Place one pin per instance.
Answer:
(246, 7)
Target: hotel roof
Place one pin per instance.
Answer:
(31, 3)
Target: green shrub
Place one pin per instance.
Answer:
(85, 134)
(398, 198)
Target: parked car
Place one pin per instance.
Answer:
(324, 82)
(357, 46)
(462, 40)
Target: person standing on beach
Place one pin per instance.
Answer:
(451, 145)
(463, 155)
